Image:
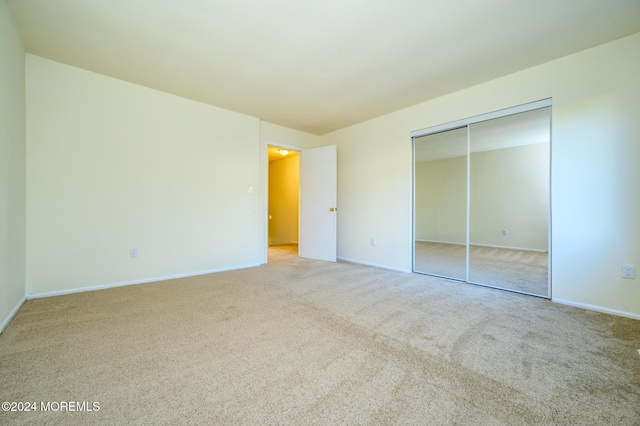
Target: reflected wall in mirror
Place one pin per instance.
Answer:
(441, 204)
(509, 202)
(481, 202)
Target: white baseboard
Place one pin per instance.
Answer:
(135, 282)
(375, 265)
(440, 242)
(12, 314)
(509, 248)
(597, 308)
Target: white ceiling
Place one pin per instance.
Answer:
(315, 66)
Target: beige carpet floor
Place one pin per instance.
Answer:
(305, 342)
(519, 270)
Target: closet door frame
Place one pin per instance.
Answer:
(466, 122)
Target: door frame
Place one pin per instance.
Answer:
(265, 192)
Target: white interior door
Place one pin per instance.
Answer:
(318, 187)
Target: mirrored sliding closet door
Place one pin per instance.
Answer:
(481, 199)
(441, 204)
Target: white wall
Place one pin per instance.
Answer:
(112, 165)
(274, 134)
(595, 173)
(441, 200)
(283, 199)
(12, 170)
(510, 190)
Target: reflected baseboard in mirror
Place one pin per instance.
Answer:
(524, 271)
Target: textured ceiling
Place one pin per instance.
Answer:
(316, 66)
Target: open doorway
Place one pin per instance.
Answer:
(282, 202)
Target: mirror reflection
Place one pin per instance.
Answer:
(509, 202)
(441, 204)
(492, 228)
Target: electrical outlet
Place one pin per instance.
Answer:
(629, 271)
(505, 232)
(133, 252)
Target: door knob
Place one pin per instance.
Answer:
(333, 209)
